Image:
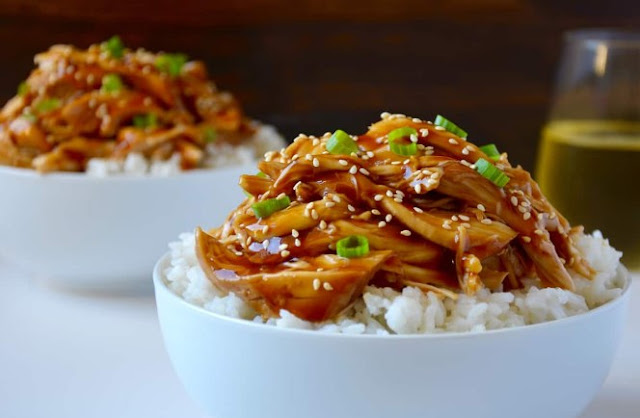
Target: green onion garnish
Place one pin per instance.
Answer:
(47, 105)
(491, 172)
(145, 120)
(353, 246)
(341, 143)
(406, 149)
(29, 116)
(491, 150)
(261, 175)
(450, 126)
(111, 83)
(113, 46)
(209, 134)
(267, 207)
(171, 63)
(23, 88)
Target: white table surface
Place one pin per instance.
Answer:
(69, 355)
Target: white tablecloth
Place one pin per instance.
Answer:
(78, 356)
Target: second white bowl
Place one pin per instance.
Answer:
(106, 233)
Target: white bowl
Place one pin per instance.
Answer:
(91, 233)
(239, 369)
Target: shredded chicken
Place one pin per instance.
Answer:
(104, 103)
(431, 221)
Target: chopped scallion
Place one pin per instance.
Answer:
(353, 246)
(171, 63)
(491, 150)
(267, 207)
(261, 175)
(209, 134)
(23, 88)
(29, 116)
(491, 172)
(145, 120)
(449, 126)
(113, 46)
(47, 105)
(341, 143)
(405, 149)
(111, 83)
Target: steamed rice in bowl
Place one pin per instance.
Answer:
(504, 284)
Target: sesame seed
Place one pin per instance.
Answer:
(336, 198)
(417, 209)
(439, 128)
(453, 141)
(265, 229)
(323, 224)
(314, 214)
(327, 286)
(395, 163)
(407, 161)
(370, 154)
(466, 224)
(298, 184)
(378, 197)
(413, 138)
(316, 284)
(309, 205)
(398, 199)
(385, 115)
(308, 157)
(238, 253)
(454, 218)
(285, 253)
(343, 162)
(446, 226)
(418, 188)
(514, 201)
(486, 221)
(364, 171)
(424, 132)
(382, 224)
(538, 232)
(315, 142)
(353, 169)
(456, 238)
(465, 151)
(526, 216)
(389, 193)
(297, 242)
(465, 162)
(265, 244)
(540, 216)
(316, 163)
(295, 233)
(481, 207)
(416, 120)
(464, 217)
(351, 208)
(330, 204)
(375, 212)
(526, 239)
(283, 247)
(282, 195)
(406, 232)
(522, 209)
(388, 218)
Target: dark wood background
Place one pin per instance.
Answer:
(319, 65)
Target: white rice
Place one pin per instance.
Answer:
(218, 155)
(387, 311)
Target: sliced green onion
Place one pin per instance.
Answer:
(405, 132)
(267, 207)
(341, 143)
(29, 116)
(406, 149)
(145, 120)
(403, 149)
(491, 172)
(491, 150)
(47, 105)
(449, 126)
(111, 83)
(23, 88)
(171, 63)
(261, 175)
(353, 246)
(209, 134)
(113, 46)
